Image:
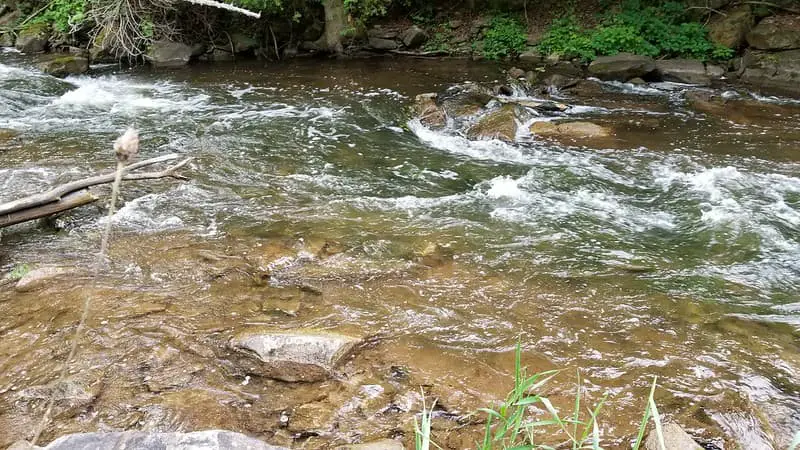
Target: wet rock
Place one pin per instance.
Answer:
(311, 418)
(499, 124)
(70, 396)
(383, 444)
(33, 38)
(465, 100)
(169, 54)
(428, 111)
(674, 439)
(730, 30)
(621, 67)
(587, 88)
(99, 50)
(515, 73)
(40, 278)
(6, 39)
(559, 81)
(637, 81)
(715, 72)
(9, 18)
(572, 132)
(738, 109)
(382, 33)
(382, 44)
(62, 66)
(781, 32)
(778, 71)
(7, 134)
(414, 37)
(690, 71)
(304, 355)
(143, 440)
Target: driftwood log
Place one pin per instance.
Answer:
(76, 193)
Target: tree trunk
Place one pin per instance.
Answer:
(335, 25)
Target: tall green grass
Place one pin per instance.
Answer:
(510, 425)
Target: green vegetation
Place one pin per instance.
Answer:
(634, 27)
(509, 427)
(506, 37)
(18, 272)
(65, 15)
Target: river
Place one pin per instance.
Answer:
(675, 254)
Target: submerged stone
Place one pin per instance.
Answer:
(572, 132)
(143, 440)
(39, 278)
(304, 355)
(69, 396)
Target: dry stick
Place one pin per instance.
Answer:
(88, 300)
(221, 5)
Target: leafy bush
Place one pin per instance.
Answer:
(65, 15)
(505, 37)
(634, 27)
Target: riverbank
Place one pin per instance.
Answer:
(755, 45)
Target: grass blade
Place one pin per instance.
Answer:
(657, 419)
(645, 418)
(576, 411)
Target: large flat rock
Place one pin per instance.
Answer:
(304, 355)
(621, 67)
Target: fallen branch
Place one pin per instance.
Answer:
(55, 194)
(74, 194)
(226, 6)
(69, 201)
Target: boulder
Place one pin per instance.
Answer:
(169, 54)
(383, 444)
(144, 440)
(499, 124)
(674, 439)
(414, 37)
(621, 67)
(382, 44)
(428, 111)
(778, 72)
(465, 100)
(741, 110)
(559, 81)
(530, 58)
(571, 133)
(62, 66)
(304, 355)
(33, 38)
(99, 50)
(382, 33)
(515, 73)
(690, 71)
(243, 43)
(219, 54)
(731, 29)
(7, 39)
(41, 277)
(780, 32)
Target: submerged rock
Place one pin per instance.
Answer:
(674, 439)
(143, 440)
(169, 54)
(465, 100)
(311, 417)
(781, 32)
(41, 277)
(383, 444)
(428, 111)
(69, 396)
(62, 66)
(305, 355)
(730, 30)
(621, 67)
(499, 124)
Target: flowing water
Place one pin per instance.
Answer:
(675, 253)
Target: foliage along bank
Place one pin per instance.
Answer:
(752, 40)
